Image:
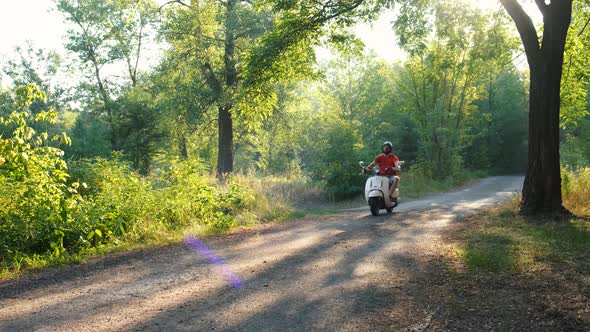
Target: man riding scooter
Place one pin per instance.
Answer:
(388, 166)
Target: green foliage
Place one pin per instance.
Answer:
(116, 206)
(333, 158)
(441, 83)
(47, 213)
(226, 56)
(91, 137)
(575, 148)
(139, 125)
(104, 33)
(576, 69)
(35, 199)
(346, 119)
(276, 147)
(412, 25)
(498, 131)
(39, 67)
(125, 206)
(286, 49)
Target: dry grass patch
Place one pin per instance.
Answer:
(576, 190)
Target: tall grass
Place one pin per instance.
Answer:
(276, 196)
(576, 190)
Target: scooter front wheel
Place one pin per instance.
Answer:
(374, 205)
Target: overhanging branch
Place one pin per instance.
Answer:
(525, 27)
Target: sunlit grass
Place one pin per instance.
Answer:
(277, 196)
(576, 190)
(503, 240)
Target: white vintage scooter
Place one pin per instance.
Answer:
(377, 191)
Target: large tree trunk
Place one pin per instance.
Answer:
(225, 155)
(542, 186)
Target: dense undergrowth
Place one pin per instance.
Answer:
(103, 205)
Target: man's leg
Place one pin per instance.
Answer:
(393, 186)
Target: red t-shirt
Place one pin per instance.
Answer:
(385, 162)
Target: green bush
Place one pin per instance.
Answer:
(123, 205)
(36, 203)
(118, 204)
(333, 161)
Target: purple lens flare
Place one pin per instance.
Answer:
(214, 260)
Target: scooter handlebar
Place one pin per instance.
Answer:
(367, 170)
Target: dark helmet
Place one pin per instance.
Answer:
(387, 143)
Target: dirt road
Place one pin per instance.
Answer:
(342, 272)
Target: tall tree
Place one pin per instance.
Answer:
(106, 32)
(446, 74)
(542, 186)
(217, 38)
